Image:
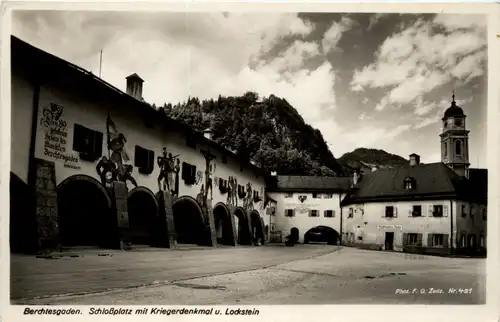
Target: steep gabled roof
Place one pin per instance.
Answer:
(431, 181)
(311, 184)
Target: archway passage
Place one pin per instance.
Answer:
(84, 214)
(189, 222)
(23, 232)
(223, 226)
(257, 227)
(244, 237)
(321, 234)
(142, 212)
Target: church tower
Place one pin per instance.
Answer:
(455, 140)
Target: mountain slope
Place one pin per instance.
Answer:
(269, 132)
(366, 159)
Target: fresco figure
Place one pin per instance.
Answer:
(230, 191)
(235, 191)
(177, 169)
(107, 171)
(249, 197)
(200, 197)
(166, 162)
(127, 175)
(209, 174)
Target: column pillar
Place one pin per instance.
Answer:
(234, 229)
(119, 197)
(250, 227)
(208, 210)
(165, 233)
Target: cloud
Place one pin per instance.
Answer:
(375, 18)
(334, 33)
(419, 59)
(294, 56)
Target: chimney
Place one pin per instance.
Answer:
(134, 86)
(208, 133)
(414, 159)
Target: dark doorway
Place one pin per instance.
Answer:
(22, 217)
(142, 211)
(84, 214)
(257, 229)
(189, 222)
(389, 241)
(244, 237)
(321, 234)
(223, 227)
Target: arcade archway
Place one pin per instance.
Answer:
(223, 225)
(321, 234)
(142, 212)
(257, 226)
(244, 237)
(84, 209)
(22, 226)
(189, 221)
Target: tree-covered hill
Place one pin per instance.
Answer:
(267, 131)
(365, 159)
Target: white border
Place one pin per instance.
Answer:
(488, 312)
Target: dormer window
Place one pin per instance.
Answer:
(409, 183)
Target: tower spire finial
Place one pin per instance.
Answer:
(453, 99)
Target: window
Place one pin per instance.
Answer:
(144, 159)
(437, 211)
(360, 237)
(472, 211)
(445, 149)
(241, 192)
(389, 211)
(481, 241)
(88, 142)
(458, 122)
(464, 211)
(458, 147)
(351, 212)
(413, 239)
(328, 195)
(313, 213)
(316, 195)
(329, 213)
(472, 241)
(289, 213)
(463, 240)
(417, 211)
(484, 214)
(288, 194)
(437, 240)
(188, 173)
(409, 183)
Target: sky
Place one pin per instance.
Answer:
(376, 80)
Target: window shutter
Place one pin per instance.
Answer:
(333, 213)
(429, 240)
(419, 239)
(395, 210)
(286, 212)
(310, 213)
(410, 213)
(445, 211)
(293, 213)
(193, 174)
(151, 161)
(384, 212)
(430, 209)
(98, 139)
(185, 170)
(446, 241)
(405, 239)
(324, 213)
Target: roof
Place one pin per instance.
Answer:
(134, 75)
(432, 181)
(38, 64)
(311, 184)
(453, 111)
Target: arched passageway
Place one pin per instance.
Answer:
(190, 222)
(22, 225)
(223, 226)
(321, 234)
(257, 227)
(244, 237)
(142, 213)
(84, 209)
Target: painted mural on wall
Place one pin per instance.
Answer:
(55, 130)
(169, 171)
(209, 170)
(248, 201)
(301, 208)
(118, 154)
(262, 201)
(302, 198)
(232, 198)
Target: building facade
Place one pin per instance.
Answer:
(427, 208)
(305, 203)
(94, 166)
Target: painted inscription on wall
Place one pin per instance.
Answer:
(301, 208)
(55, 137)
